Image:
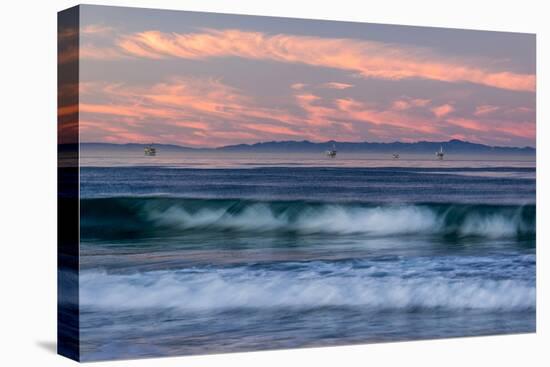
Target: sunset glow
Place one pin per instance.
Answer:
(203, 84)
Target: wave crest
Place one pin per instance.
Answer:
(326, 219)
(128, 215)
(241, 287)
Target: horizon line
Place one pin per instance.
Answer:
(312, 142)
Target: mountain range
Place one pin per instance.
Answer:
(305, 146)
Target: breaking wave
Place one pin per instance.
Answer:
(139, 216)
(317, 284)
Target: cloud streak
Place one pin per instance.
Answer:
(369, 59)
(207, 112)
(352, 90)
(191, 111)
(443, 110)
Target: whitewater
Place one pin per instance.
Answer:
(191, 260)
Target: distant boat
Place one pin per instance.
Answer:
(150, 151)
(440, 154)
(395, 155)
(331, 153)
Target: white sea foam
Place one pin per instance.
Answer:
(378, 220)
(340, 219)
(492, 226)
(306, 287)
(331, 219)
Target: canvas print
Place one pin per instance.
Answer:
(240, 183)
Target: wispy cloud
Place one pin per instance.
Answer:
(297, 86)
(443, 110)
(94, 52)
(196, 111)
(406, 103)
(368, 58)
(208, 112)
(485, 110)
(337, 85)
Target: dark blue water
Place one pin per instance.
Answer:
(187, 261)
(371, 185)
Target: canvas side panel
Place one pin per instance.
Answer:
(68, 184)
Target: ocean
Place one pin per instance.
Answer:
(206, 253)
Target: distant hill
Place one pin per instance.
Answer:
(451, 146)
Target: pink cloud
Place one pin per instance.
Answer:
(405, 104)
(93, 52)
(368, 58)
(351, 109)
(113, 133)
(297, 86)
(443, 110)
(525, 130)
(468, 124)
(337, 85)
(196, 107)
(272, 129)
(192, 124)
(485, 110)
(511, 129)
(207, 112)
(401, 105)
(420, 102)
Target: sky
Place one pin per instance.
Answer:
(208, 80)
